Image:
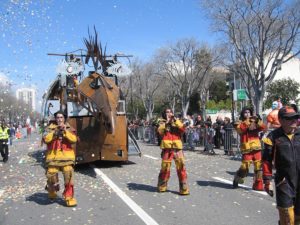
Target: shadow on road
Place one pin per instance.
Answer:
(145, 187)
(214, 184)
(233, 173)
(141, 187)
(41, 198)
(87, 168)
(109, 164)
(38, 156)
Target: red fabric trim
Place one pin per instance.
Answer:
(267, 168)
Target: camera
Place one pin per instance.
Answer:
(172, 119)
(255, 119)
(59, 133)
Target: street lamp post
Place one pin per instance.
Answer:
(232, 102)
(131, 98)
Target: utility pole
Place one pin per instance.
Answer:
(131, 98)
(232, 102)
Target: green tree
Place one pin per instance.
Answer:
(217, 90)
(223, 104)
(279, 88)
(211, 104)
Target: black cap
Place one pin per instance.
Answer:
(287, 112)
(60, 112)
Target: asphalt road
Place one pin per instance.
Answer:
(125, 193)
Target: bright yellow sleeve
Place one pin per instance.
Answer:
(161, 128)
(178, 124)
(70, 136)
(267, 141)
(48, 137)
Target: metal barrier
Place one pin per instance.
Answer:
(133, 147)
(150, 135)
(195, 137)
(230, 139)
(232, 143)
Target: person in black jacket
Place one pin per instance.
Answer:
(282, 150)
(228, 135)
(200, 128)
(218, 136)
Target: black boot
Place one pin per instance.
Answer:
(235, 183)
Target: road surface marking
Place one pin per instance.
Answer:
(151, 157)
(137, 209)
(240, 185)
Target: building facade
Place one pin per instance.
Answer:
(28, 95)
(290, 69)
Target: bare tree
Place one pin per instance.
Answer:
(185, 64)
(148, 82)
(124, 84)
(214, 74)
(129, 88)
(261, 34)
(169, 94)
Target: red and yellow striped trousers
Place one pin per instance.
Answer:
(167, 156)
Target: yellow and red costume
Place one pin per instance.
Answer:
(250, 147)
(171, 146)
(60, 156)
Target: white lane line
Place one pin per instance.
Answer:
(137, 209)
(151, 157)
(240, 185)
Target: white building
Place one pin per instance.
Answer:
(290, 69)
(28, 95)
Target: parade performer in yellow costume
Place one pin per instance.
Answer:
(60, 156)
(248, 129)
(170, 130)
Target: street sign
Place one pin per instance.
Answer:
(240, 94)
(211, 111)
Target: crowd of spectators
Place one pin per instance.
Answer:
(207, 133)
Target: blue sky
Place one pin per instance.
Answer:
(32, 28)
